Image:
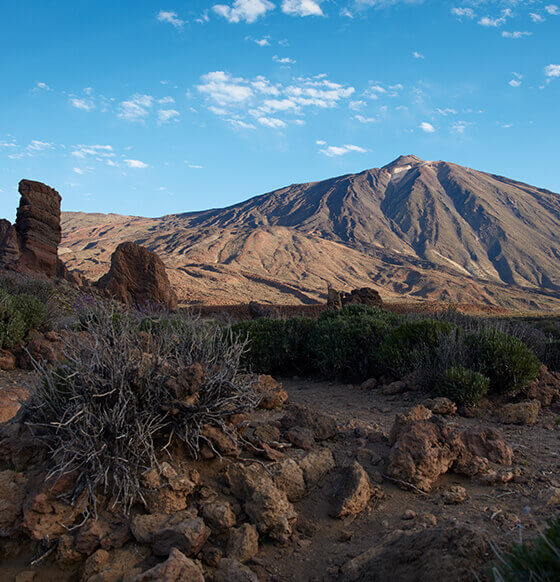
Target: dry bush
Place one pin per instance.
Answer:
(129, 384)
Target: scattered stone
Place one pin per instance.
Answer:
(232, 571)
(219, 515)
(404, 418)
(520, 412)
(422, 453)
(455, 495)
(288, 476)
(397, 387)
(267, 433)
(409, 514)
(271, 392)
(441, 405)
(188, 536)
(211, 555)
(354, 491)
(12, 488)
(265, 504)
(7, 360)
(481, 443)
(316, 465)
(224, 443)
(104, 566)
(428, 519)
(301, 437)
(321, 425)
(243, 543)
(369, 384)
(177, 568)
(138, 277)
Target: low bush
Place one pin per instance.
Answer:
(539, 561)
(122, 394)
(13, 327)
(344, 344)
(415, 346)
(505, 359)
(461, 385)
(551, 356)
(32, 309)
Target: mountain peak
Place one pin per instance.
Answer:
(404, 160)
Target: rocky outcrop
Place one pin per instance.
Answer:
(38, 228)
(138, 277)
(362, 296)
(9, 246)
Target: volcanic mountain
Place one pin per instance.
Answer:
(413, 228)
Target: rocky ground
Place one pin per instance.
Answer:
(326, 482)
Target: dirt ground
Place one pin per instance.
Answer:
(321, 545)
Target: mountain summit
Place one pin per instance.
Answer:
(425, 229)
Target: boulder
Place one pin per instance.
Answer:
(302, 438)
(481, 443)
(219, 515)
(353, 492)
(177, 568)
(441, 405)
(243, 543)
(232, 571)
(316, 465)
(321, 425)
(270, 391)
(110, 566)
(288, 476)
(546, 388)
(423, 451)
(369, 384)
(12, 495)
(455, 495)
(188, 536)
(138, 277)
(265, 504)
(402, 419)
(520, 412)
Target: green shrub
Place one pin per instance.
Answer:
(19, 285)
(461, 385)
(32, 310)
(12, 324)
(552, 355)
(344, 343)
(506, 360)
(539, 561)
(414, 345)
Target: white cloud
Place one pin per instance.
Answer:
(8, 144)
(427, 127)
(166, 115)
(363, 119)
(515, 34)
(376, 90)
(417, 55)
(194, 166)
(336, 151)
(272, 122)
(244, 10)
(135, 164)
(497, 21)
(463, 12)
(166, 100)
(262, 41)
(136, 108)
(552, 9)
(171, 18)
(40, 86)
(552, 71)
(83, 104)
(302, 7)
(516, 81)
(283, 60)
(321, 142)
(538, 18)
(446, 111)
(78, 171)
(97, 151)
(37, 146)
(460, 126)
(224, 89)
(239, 124)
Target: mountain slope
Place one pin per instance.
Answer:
(432, 230)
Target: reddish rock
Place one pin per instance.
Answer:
(301, 437)
(288, 476)
(243, 543)
(38, 228)
(354, 491)
(423, 452)
(485, 443)
(403, 419)
(520, 412)
(12, 494)
(219, 515)
(271, 392)
(233, 571)
(177, 568)
(9, 246)
(223, 443)
(441, 405)
(188, 536)
(7, 360)
(316, 465)
(321, 425)
(546, 388)
(138, 277)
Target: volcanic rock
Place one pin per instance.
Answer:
(138, 277)
(177, 568)
(354, 491)
(520, 412)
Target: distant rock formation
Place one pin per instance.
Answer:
(362, 296)
(9, 246)
(138, 277)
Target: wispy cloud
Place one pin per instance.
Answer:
(516, 81)
(517, 34)
(136, 164)
(243, 10)
(427, 127)
(40, 86)
(170, 17)
(464, 13)
(302, 7)
(552, 9)
(363, 119)
(136, 108)
(167, 115)
(417, 55)
(337, 151)
(287, 61)
(82, 103)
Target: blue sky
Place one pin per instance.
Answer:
(150, 108)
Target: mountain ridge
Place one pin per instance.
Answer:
(429, 229)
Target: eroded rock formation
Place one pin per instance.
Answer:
(138, 277)
(362, 296)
